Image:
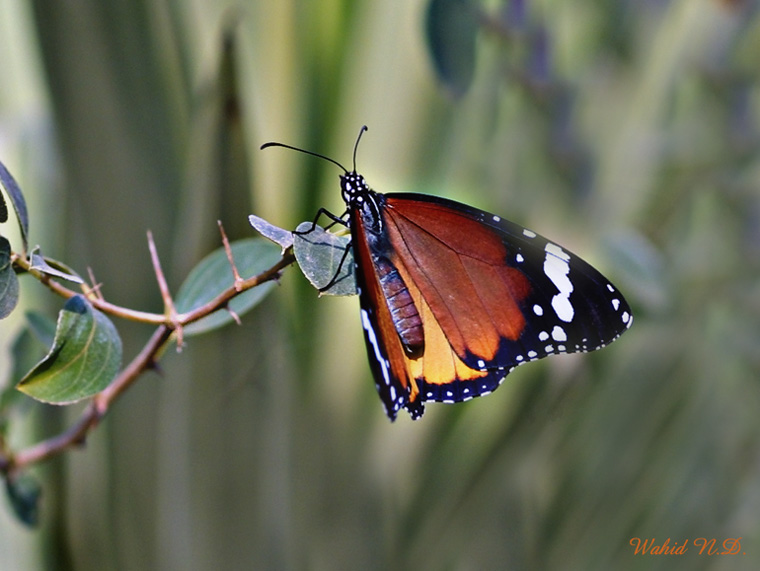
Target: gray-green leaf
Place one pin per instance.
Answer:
(8, 280)
(322, 256)
(17, 199)
(280, 236)
(52, 267)
(24, 493)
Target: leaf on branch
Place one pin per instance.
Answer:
(84, 358)
(319, 255)
(24, 493)
(52, 267)
(17, 199)
(213, 275)
(8, 280)
(280, 236)
(3, 209)
(41, 327)
(29, 346)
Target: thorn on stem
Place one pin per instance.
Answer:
(94, 289)
(230, 258)
(169, 308)
(155, 366)
(234, 315)
(80, 441)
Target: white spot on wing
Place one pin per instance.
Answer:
(538, 310)
(557, 251)
(562, 307)
(527, 233)
(557, 269)
(367, 325)
(558, 334)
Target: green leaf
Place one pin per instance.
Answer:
(280, 236)
(24, 493)
(5, 253)
(26, 352)
(213, 275)
(320, 255)
(17, 199)
(84, 358)
(41, 327)
(52, 267)
(29, 346)
(3, 209)
(452, 27)
(8, 280)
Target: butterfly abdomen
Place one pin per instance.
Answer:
(405, 316)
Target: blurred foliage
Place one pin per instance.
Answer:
(628, 131)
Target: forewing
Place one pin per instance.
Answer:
(503, 295)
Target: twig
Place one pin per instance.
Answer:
(230, 257)
(77, 433)
(117, 311)
(94, 289)
(145, 360)
(163, 286)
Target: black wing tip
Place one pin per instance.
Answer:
(415, 409)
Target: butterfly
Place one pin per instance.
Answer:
(453, 298)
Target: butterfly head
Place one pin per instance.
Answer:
(362, 200)
(353, 188)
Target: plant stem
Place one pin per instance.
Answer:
(101, 403)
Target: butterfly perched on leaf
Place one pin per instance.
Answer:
(453, 298)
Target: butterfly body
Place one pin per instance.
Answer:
(453, 298)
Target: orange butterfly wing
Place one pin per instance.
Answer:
(489, 295)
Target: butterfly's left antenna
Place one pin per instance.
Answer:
(333, 161)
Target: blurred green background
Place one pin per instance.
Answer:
(628, 131)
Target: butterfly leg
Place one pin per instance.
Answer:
(335, 277)
(324, 212)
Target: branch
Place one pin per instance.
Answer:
(77, 433)
(98, 302)
(147, 358)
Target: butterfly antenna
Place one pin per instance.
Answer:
(333, 161)
(356, 145)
